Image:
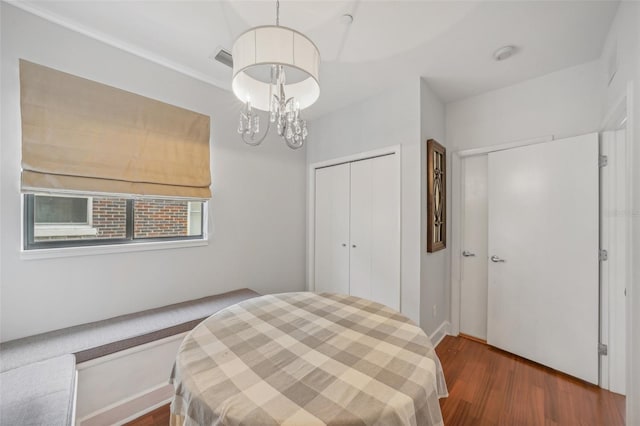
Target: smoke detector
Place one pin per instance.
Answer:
(504, 52)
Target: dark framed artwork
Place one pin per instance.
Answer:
(436, 196)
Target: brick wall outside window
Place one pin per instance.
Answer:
(110, 217)
(160, 218)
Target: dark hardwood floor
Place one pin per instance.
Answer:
(157, 417)
(490, 387)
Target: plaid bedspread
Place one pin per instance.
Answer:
(307, 359)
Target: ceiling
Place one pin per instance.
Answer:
(449, 43)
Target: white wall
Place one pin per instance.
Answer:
(257, 229)
(389, 118)
(435, 268)
(623, 41)
(563, 103)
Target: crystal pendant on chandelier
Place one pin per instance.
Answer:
(286, 112)
(275, 69)
(249, 125)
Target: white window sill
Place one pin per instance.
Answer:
(109, 249)
(64, 231)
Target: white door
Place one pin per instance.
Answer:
(543, 239)
(473, 287)
(375, 230)
(332, 229)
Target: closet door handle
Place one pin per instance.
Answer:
(344, 244)
(468, 254)
(354, 246)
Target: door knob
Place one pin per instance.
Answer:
(354, 246)
(496, 259)
(344, 244)
(468, 254)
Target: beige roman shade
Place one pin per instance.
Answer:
(82, 136)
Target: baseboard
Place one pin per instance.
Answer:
(437, 336)
(475, 339)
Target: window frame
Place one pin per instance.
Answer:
(30, 245)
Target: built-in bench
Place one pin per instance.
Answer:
(38, 373)
(41, 393)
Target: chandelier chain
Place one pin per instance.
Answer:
(277, 13)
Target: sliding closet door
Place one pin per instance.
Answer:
(543, 248)
(332, 229)
(375, 230)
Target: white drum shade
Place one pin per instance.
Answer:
(274, 45)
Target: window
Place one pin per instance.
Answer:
(83, 137)
(61, 210)
(58, 218)
(67, 221)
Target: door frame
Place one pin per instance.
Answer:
(311, 201)
(621, 112)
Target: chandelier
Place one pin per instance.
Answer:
(275, 69)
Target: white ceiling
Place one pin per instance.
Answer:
(450, 43)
